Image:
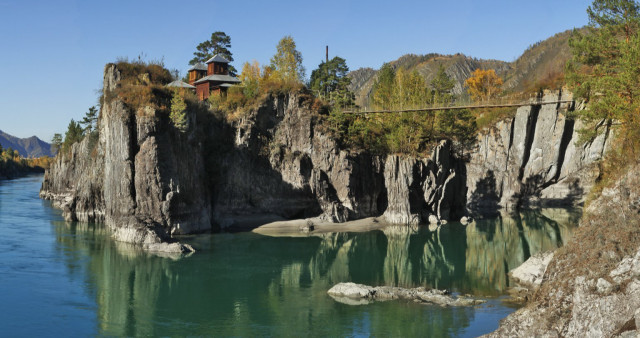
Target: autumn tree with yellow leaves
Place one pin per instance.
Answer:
(250, 78)
(483, 85)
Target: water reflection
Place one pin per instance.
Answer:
(248, 284)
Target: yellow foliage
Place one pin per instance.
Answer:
(250, 72)
(484, 85)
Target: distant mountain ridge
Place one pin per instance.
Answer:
(27, 147)
(541, 62)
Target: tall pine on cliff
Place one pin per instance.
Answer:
(605, 69)
(330, 81)
(219, 43)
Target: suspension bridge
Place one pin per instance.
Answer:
(460, 107)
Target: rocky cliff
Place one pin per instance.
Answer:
(533, 159)
(149, 181)
(283, 164)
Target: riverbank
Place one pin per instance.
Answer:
(6, 174)
(591, 287)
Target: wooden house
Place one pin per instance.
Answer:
(197, 72)
(217, 78)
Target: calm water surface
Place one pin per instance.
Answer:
(70, 279)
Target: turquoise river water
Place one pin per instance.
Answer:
(70, 279)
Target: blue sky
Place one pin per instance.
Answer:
(52, 53)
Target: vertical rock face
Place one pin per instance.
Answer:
(150, 181)
(142, 178)
(533, 159)
(283, 163)
(418, 188)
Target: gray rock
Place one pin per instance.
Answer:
(433, 219)
(603, 286)
(342, 291)
(531, 272)
(533, 160)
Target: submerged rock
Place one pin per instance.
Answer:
(358, 294)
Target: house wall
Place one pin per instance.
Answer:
(218, 68)
(195, 75)
(202, 91)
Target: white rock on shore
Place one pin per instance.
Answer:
(531, 272)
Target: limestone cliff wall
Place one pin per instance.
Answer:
(284, 164)
(149, 181)
(533, 159)
(141, 177)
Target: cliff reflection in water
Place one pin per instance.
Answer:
(248, 284)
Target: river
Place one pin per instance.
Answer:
(70, 279)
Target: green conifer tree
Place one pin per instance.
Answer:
(382, 92)
(605, 67)
(178, 113)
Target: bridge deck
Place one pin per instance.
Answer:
(533, 103)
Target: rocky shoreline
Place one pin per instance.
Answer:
(591, 286)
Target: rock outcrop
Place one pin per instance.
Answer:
(283, 163)
(533, 159)
(150, 181)
(531, 272)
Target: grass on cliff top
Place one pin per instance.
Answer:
(142, 83)
(239, 101)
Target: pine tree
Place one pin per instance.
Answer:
(56, 142)
(442, 87)
(330, 80)
(178, 113)
(90, 120)
(74, 134)
(218, 44)
(605, 67)
(382, 92)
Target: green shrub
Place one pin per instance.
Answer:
(178, 113)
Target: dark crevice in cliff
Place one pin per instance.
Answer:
(530, 133)
(417, 203)
(511, 134)
(606, 136)
(134, 148)
(567, 136)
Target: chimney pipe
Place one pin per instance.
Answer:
(327, 55)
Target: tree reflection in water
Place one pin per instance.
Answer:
(248, 284)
